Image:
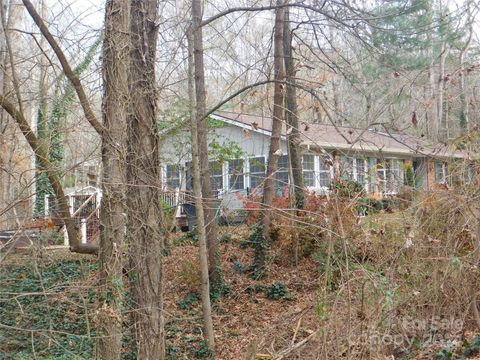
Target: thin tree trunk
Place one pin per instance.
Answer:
(432, 110)
(112, 219)
(432, 116)
(11, 17)
(464, 116)
(214, 269)
(274, 151)
(143, 175)
(3, 127)
(42, 126)
(291, 116)
(197, 190)
(441, 113)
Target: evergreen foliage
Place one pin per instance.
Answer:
(50, 129)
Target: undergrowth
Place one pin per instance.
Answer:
(44, 314)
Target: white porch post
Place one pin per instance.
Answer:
(84, 231)
(66, 242)
(316, 171)
(47, 205)
(225, 175)
(246, 175)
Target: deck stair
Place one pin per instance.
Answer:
(17, 238)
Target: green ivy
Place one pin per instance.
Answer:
(50, 128)
(54, 326)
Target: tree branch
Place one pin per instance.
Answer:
(42, 155)
(89, 114)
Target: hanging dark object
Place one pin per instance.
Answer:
(414, 119)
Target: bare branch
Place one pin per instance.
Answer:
(42, 155)
(85, 103)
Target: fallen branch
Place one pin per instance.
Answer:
(294, 347)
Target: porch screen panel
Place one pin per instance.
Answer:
(216, 170)
(346, 167)
(389, 176)
(257, 171)
(371, 172)
(325, 176)
(188, 176)
(236, 175)
(282, 173)
(309, 170)
(396, 178)
(361, 171)
(469, 173)
(172, 176)
(381, 176)
(440, 172)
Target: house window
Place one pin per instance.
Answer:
(216, 171)
(257, 171)
(469, 173)
(389, 175)
(361, 172)
(188, 176)
(172, 176)
(282, 173)
(309, 170)
(440, 172)
(236, 174)
(324, 175)
(347, 167)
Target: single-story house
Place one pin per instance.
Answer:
(376, 159)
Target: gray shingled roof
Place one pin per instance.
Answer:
(343, 138)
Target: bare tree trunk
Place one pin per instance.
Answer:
(112, 219)
(214, 269)
(143, 176)
(476, 259)
(274, 151)
(197, 189)
(432, 110)
(3, 127)
(11, 17)
(291, 116)
(441, 113)
(432, 116)
(42, 120)
(464, 120)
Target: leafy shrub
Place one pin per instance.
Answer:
(371, 206)
(187, 302)
(410, 175)
(276, 291)
(189, 274)
(225, 238)
(189, 238)
(472, 348)
(348, 188)
(239, 267)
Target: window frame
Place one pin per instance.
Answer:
(393, 175)
(443, 167)
(169, 179)
(312, 171)
(241, 174)
(256, 174)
